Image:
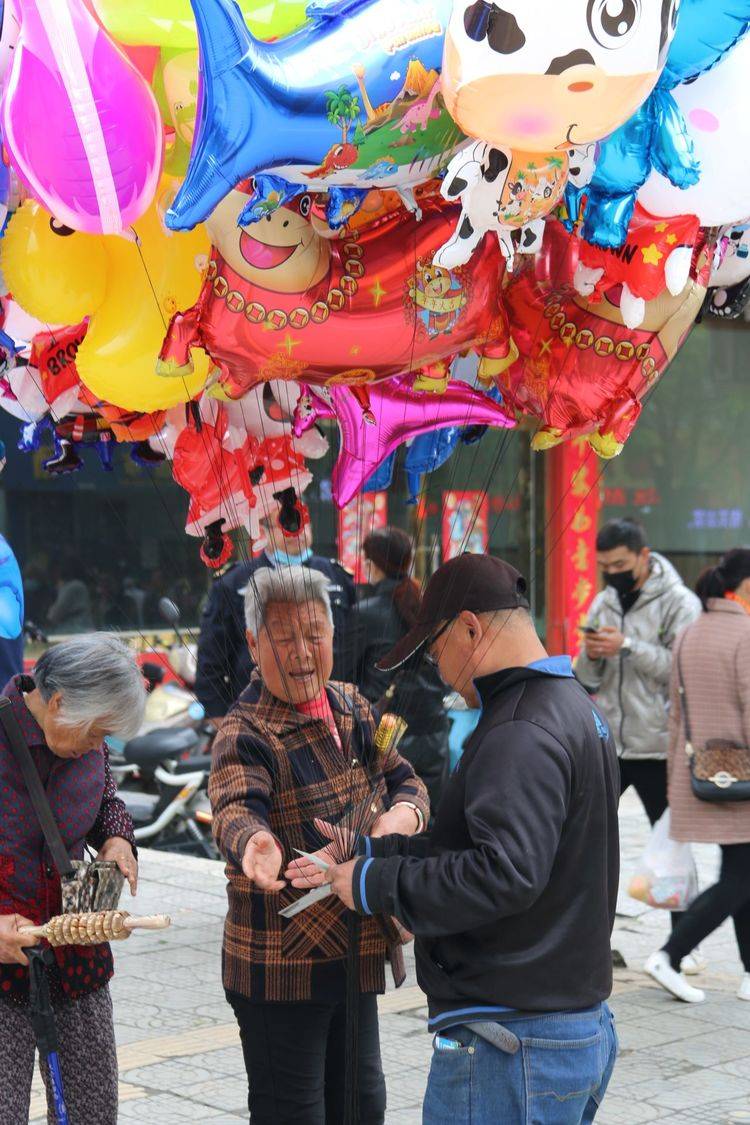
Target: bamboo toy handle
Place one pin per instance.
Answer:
(148, 922)
(126, 922)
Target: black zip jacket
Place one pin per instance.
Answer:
(512, 895)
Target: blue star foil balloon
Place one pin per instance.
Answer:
(657, 137)
(382, 478)
(427, 453)
(11, 593)
(350, 100)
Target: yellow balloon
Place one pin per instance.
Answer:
(128, 287)
(170, 23)
(34, 238)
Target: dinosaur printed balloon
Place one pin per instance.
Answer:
(352, 99)
(280, 301)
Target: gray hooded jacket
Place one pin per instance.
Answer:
(632, 689)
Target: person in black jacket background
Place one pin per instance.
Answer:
(224, 664)
(381, 619)
(512, 894)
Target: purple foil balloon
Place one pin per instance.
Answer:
(374, 419)
(80, 123)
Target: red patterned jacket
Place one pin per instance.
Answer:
(84, 801)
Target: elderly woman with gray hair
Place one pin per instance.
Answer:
(287, 767)
(81, 690)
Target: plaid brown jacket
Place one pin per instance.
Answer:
(277, 769)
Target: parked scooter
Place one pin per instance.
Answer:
(162, 774)
(162, 777)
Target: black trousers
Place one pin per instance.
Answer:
(295, 1061)
(729, 897)
(648, 776)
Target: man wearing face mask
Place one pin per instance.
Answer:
(224, 663)
(627, 658)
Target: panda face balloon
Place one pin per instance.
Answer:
(535, 74)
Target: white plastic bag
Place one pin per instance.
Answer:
(666, 876)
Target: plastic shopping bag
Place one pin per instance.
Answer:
(666, 876)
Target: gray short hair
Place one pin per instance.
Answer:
(99, 682)
(292, 584)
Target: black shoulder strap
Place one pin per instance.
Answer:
(34, 785)
(684, 703)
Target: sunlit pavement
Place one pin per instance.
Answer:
(179, 1051)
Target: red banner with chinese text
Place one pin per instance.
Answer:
(573, 502)
(368, 512)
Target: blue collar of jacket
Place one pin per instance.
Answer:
(556, 667)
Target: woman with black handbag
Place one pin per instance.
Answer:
(709, 765)
(58, 795)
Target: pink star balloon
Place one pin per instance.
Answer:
(80, 123)
(375, 419)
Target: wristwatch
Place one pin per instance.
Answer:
(418, 811)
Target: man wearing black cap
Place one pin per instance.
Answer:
(512, 895)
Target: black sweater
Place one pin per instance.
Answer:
(512, 895)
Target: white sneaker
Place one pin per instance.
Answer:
(658, 967)
(694, 963)
(743, 992)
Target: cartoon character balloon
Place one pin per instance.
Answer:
(281, 301)
(656, 255)
(535, 75)
(582, 371)
(502, 192)
(657, 137)
(729, 287)
(242, 456)
(352, 99)
(127, 287)
(80, 123)
(720, 127)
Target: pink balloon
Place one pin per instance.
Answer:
(81, 125)
(374, 419)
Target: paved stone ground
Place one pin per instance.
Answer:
(180, 1059)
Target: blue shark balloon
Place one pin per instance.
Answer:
(656, 137)
(351, 100)
(11, 593)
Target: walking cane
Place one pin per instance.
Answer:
(43, 1022)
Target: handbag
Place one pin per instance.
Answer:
(86, 886)
(719, 770)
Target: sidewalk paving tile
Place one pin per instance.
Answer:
(182, 1062)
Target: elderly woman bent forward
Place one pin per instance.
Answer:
(301, 755)
(81, 690)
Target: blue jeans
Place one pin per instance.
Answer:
(558, 1076)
